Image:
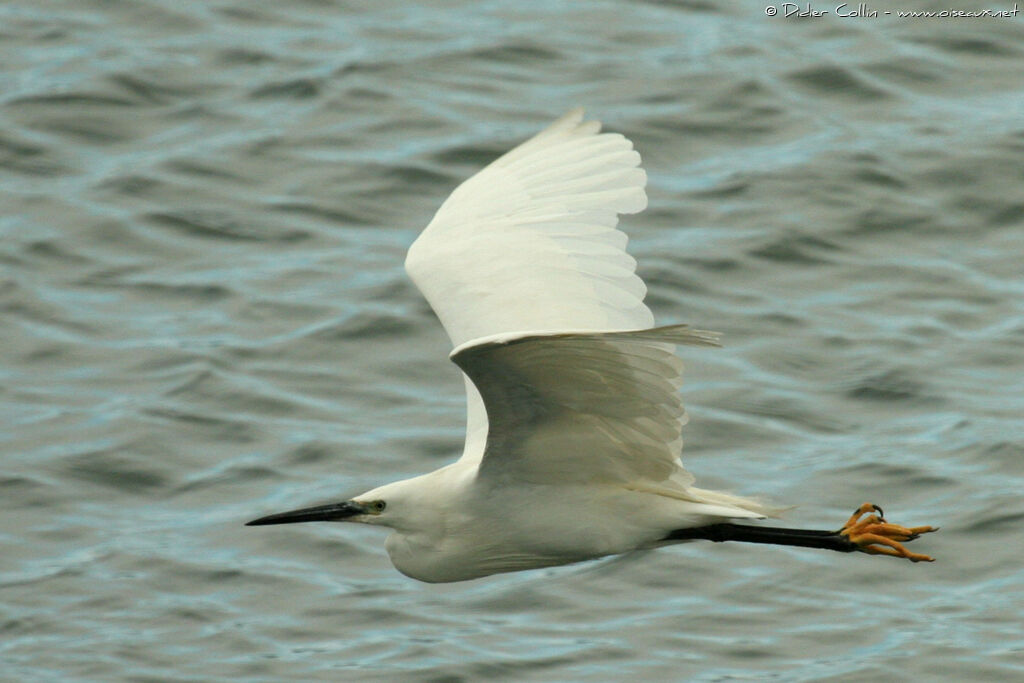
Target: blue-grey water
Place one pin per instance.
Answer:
(204, 318)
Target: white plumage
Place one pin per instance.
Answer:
(574, 418)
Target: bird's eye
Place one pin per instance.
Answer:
(378, 505)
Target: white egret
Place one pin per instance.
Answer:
(574, 417)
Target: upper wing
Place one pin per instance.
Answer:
(584, 407)
(529, 244)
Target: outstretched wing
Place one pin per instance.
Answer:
(529, 243)
(529, 247)
(583, 407)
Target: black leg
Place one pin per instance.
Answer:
(807, 538)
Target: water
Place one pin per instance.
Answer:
(204, 318)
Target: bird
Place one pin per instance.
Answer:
(574, 418)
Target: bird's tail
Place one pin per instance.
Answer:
(729, 503)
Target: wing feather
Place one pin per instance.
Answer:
(583, 407)
(530, 244)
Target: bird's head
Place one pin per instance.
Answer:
(377, 506)
(356, 510)
(382, 505)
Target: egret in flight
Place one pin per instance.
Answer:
(574, 420)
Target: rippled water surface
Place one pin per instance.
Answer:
(204, 318)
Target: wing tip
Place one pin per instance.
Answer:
(679, 334)
(576, 113)
(696, 337)
(571, 122)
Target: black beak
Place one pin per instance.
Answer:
(323, 513)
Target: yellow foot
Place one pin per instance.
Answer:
(875, 536)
